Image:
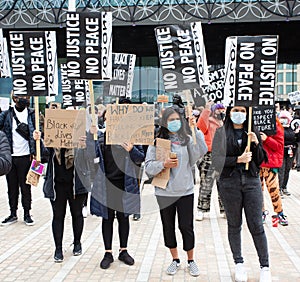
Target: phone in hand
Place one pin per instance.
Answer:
(173, 155)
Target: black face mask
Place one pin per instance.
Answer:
(22, 103)
(220, 116)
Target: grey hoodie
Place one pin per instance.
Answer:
(181, 181)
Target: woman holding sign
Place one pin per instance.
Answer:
(240, 188)
(178, 195)
(67, 181)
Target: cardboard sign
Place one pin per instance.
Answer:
(4, 58)
(163, 149)
(130, 122)
(89, 45)
(34, 63)
(182, 56)
(74, 91)
(122, 77)
(32, 178)
(250, 70)
(294, 97)
(162, 98)
(63, 128)
(264, 118)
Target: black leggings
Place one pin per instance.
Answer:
(115, 207)
(64, 194)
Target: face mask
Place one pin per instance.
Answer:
(22, 103)
(174, 125)
(220, 116)
(284, 121)
(238, 117)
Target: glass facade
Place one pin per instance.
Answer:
(288, 80)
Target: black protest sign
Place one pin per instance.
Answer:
(182, 56)
(34, 63)
(264, 118)
(89, 45)
(74, 91)
(214, 91)
(122, 76)
(198, 97)
(250, 70)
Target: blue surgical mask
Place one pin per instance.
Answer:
(174, 125)
(238, 117)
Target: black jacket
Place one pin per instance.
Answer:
(82, 175)
(225, 151)
(5, 155)
(6, 119)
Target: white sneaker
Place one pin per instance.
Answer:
(240, 273)
(265, 275)
(199, 215)
(84, 212)
(193, 268)
(173, 267)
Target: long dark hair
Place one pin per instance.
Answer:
(164, 132)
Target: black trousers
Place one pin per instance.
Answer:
(16, 179)
(64, 194)
(115, 209)
(184, 206)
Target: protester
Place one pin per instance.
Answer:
(67, 181)
(5, 155)
(178, 197)
(240, 188)
(290, 146)
(115, 192)
(273, 145)
(210, 119)
(18, 124)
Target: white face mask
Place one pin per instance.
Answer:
(238, 117)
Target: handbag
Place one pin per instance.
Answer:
(22, 128)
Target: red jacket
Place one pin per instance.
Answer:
(208, 125)
(274, 146)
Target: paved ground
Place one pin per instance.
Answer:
(27, 251)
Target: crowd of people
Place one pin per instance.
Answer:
(213, 138)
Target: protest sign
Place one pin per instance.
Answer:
(250, 70)
(162, 99)
(34, 63)
(89, 45)
(264, 118)
(122, 76)
(130, 123)
(63, 128)
(4, 103)
(4, 58)
(214, 91)
(294, 97)
(295, 124)
(74, 91)
(182, 56)
(163, 149)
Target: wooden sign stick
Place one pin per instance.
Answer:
(249, 130)
(91, 89)
(37, 127)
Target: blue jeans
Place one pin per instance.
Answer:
(238, 192)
